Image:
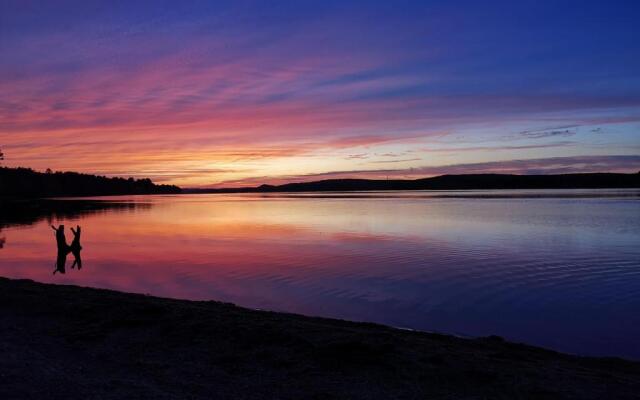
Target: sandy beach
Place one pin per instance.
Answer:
(66, 342)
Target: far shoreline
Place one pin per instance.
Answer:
(602, 180)
(25, 183)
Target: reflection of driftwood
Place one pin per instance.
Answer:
(61, 261)
(75, 247)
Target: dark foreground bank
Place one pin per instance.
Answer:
(65, 342)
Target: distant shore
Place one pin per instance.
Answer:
(69, 342)
(448, 182)
(25, 183)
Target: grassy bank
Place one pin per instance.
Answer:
(69, 342)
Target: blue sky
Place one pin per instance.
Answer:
(218, 93)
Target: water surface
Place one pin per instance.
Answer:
(559, 269)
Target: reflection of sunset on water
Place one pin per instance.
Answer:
(404, 260)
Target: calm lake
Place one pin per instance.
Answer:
(559, 269)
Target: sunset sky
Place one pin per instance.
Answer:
(216, 93)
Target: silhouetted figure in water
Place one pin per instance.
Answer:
(64, 249)
(61, 239)
(75, 247)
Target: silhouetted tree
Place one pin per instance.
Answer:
(25, 182)
(1, 155)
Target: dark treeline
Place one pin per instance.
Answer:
(25, 182)
(454, 182)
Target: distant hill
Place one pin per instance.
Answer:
(25, 182)
(452, 182)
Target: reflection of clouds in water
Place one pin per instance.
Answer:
(538, 270)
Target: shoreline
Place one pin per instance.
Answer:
(76, 342)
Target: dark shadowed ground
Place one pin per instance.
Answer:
(64, 342)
